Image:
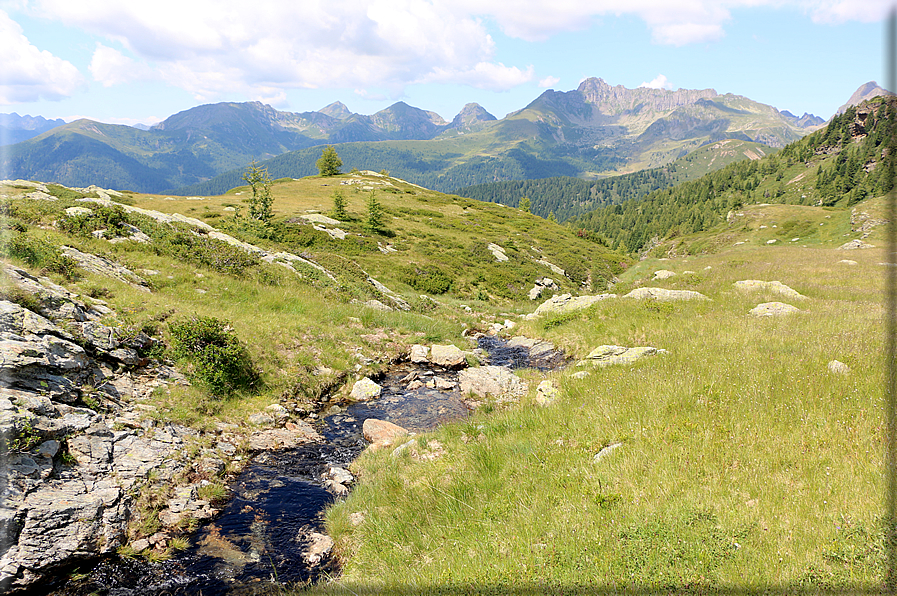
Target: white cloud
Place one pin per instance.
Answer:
(659, 82)
(110, 67)
(549, 82)
(261, 49)
(29, 74)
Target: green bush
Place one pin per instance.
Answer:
(112, 219)
(219, 359)
(38, 252)
(429, 279)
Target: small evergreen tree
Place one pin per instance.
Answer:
(329, 164)
(339, 205)
(260, 202)
(524, 204)
(375, 213)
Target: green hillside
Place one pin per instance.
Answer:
(567, 197)
(835, 166)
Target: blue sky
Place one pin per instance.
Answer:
(128, 62)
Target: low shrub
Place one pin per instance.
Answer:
(219, 359)
(429, 279)
(112, 219)
(41, 253)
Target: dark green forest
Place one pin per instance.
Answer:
(840, 164)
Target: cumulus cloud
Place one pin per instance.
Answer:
(659, 82)
(29, 74)
(110, 67)
(549, 82)
(260, 49)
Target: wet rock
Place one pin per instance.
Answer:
(546, 393)
(663, 294)
(777, 287)
(773, 309)
(340, 475)
(567, 303)
(610, 355)
(419, 354)
(537, 348)
(318, 549)
(289, 437)
(837, 367)
(444, 384)
(496, 381)
(365, 390)
(448, 356)
(381, 433)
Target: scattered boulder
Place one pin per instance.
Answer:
(542, 284)
(419, 354)
(663, 274)
(777, 287)
(377, 305)
(847, 262)
(567, 303)
(663, 294)
(837, 367)
(321, 219)
(496, 381)
(610, 355)
(546, 393)
(365, 390)
(381, 433)
(449, 356)
(581, 374)
(855, 244)
(498, 252)
(773, 309)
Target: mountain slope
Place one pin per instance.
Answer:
(863, 92)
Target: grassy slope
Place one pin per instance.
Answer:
(294, 328)
(745, 463)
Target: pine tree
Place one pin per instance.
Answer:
(524, 204)
(260, 202)
(329, 164)
(339, 205)
(375, 213)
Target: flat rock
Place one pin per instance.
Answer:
(289, 437)
(498, 252)
(664, 295)
(497, 381)
(609, 355)
(847, 262)
(419, 354)
(365, 390)
(381, 433)
(855, 244)
(322, 219)
(567, 303)
(663, 274)
(773, 309)
(777, 287)
(449, 356)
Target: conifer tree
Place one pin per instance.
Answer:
(260, 202)
(524, 204)
(329, 164)
(339, 205)
(375, 213)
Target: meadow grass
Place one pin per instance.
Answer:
(745, 462)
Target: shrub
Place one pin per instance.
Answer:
(220, 360)
(38, 252)
(102, 218)
(428, 279)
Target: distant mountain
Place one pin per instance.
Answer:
(593, 131)
(805, 121)
(15, 128)
(863, 92)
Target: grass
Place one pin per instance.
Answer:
(744, 463)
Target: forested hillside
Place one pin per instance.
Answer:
(839, 165)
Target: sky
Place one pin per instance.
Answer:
(132, 61)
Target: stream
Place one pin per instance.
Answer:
(278, 501)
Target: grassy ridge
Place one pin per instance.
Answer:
(745, 463)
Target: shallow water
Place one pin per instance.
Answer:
(279, 498)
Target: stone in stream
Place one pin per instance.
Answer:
(449, 356)
(419, 354)
(497, 381)
(381, 433)
(365, 390)
(773, 309)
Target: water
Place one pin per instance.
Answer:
(278, 501)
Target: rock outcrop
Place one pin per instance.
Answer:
(610, 355)
(664, 295)
(567, 303)
(777, 287)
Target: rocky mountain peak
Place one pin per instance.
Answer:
(863, 92)
(471, 115)
(336, 110)
(615, 99)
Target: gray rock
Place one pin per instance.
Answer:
(663, 294)
(419, 354)
(496, 381)
(663, 274)
(106, 267)
(610, 355)
(837, 367)
(854, 245)
(448, 356)
(365, 390)
(776, 287)
(546, 393)
(567, 303)
(773, 309)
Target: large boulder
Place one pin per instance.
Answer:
(365, 390)
(381, 433)
(567, 303)
(777, 287)
(496, 381)
(664, 295)
(449, 356)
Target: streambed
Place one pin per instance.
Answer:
(277, 502)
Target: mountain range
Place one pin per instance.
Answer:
(15, 128)
(593, 131)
